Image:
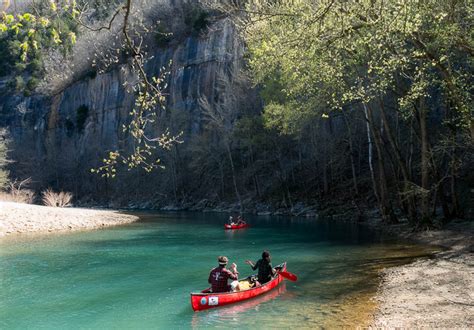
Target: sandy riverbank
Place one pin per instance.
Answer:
(25, 218)
(434, 293)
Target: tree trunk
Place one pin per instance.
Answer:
(325, 177)
(370, 151)
(472, 130)
(456, 212)
(352, 153)
(385, 205)
(222, 177)
(234, 179)
(254, 176)
(425, 158)
(410, 204)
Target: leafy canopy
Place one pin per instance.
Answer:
(328, 54)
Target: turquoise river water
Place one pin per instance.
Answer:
(139, 276)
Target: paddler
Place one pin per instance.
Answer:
(264, 266)
(240, 221)
(219, 276)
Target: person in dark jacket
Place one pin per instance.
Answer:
(264, 266)
(218, 276)
(240, 221)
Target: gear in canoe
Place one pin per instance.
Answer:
(221, 293)
(247, 288)
(238, 224)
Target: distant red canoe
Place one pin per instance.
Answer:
(244, 225)
(206, 299)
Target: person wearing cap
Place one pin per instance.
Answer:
(219, 276)
(264, 266)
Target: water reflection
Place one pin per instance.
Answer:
(233, 234)
(140, 275)
(231, 314)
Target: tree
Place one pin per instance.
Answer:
(4, 180)
(220, 117)
(44, 26)
(335, 56)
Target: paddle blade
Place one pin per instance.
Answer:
(289, 276)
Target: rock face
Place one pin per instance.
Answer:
(58, 139)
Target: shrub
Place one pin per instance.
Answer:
(5, 58)
(19, 83)
(20, 67)
(32, 84)
(36, 67)
(3, 178)
(3, 159)
(24, 196)
(195, 18)
(61, 199)
(17, 62)
(201, 21)
(17, 193)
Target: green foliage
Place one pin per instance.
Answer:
(3, 160)
(272, 89)
(102, 8)
(196, 18)
(336, 53)
(201, 22)
(149, 98)
(282, 117)
(251, 133)
(25, 36)
(19, 83)
(404, 62)
(35, 66)
(32, 84)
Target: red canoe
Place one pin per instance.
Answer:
(206, 299)
(227, 226)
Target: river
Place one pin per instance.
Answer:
(140, 275)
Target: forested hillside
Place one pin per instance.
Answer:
(401, 69)
(259, 105)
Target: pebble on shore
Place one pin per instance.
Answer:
(435, 292)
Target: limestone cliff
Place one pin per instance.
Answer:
(59, 138)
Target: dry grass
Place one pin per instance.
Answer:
(19, 196)
(17, 193)
(60, 199)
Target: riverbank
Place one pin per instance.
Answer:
(16, 218)
(433, 293)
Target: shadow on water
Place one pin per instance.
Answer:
(207, 228)
(227, 314)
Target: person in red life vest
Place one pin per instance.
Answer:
(219, 276)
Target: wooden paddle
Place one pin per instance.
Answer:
(289, 276)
